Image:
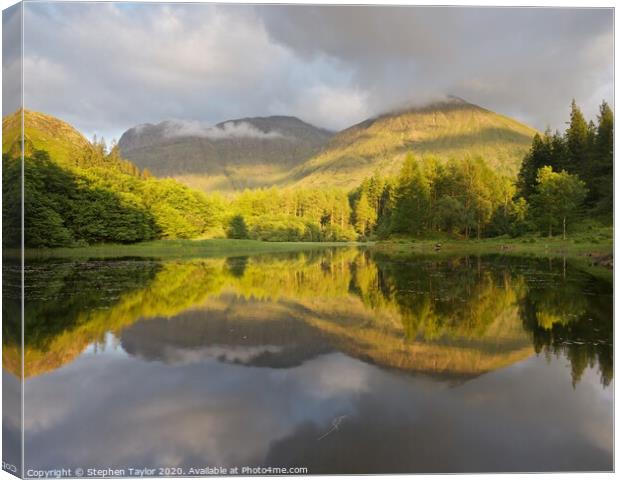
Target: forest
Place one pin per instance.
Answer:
(565, 178)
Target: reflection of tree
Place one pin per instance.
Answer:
(461, 317)
(70, 305)
(71, 292)
(11, 315)
(236, 266)
(450, 299)
(562, 320)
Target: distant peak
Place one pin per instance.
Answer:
(456, 99)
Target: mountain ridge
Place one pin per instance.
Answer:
(233, 154)
(451, 128)
(285, 151)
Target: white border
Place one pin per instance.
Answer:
(482, 3)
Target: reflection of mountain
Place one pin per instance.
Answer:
(451, 318)
(287, 332)
(229, 328)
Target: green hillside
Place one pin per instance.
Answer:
(43, 132)
(378, 179)
(448, 129)
(79, 193)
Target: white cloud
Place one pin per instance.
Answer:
(332, 107)
(184, 128)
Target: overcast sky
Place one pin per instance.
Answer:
(107, 67)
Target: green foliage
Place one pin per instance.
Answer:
(412, 199)
(295, 215)
(237, 228)
(585, 150)
(429, 198)
(602, 163)
(79, 193)
(61, 207)
(558, 198)
(11, 201)
(365, 216)
(71, 206)
(578, 142)
(450, 213)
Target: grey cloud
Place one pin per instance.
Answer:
(11, 59)
(107, 67)
(526, 62)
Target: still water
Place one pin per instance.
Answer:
(337, 361)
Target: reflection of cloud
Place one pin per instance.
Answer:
(210, 412)
(234, 353)
(11, 418)
(109, 410)
(328, 378)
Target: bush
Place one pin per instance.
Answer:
(237, 228)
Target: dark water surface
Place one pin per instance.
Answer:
(337, 361)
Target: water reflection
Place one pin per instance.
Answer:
(458, 317)
(251, 360)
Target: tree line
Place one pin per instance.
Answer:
(562, 177)
(101, 197)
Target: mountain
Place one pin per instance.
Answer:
(246, 152)
(447, 129)
(43, 132)
(285, 151)
(80, 194)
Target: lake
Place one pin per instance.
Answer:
(335, 360)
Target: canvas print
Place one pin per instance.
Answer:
(306, 239)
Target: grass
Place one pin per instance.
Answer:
(589, 251)
(176, 249)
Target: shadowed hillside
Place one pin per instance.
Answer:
(232, 155)
(78, 192)
(449, 129)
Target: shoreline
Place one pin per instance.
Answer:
(595, 258)
(175, 249)
(596, 255)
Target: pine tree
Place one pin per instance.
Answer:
(540, 155)
(559, 152)
(238, 228)
(603, 161)
(365, 216)
(578, 139)
(412, 199)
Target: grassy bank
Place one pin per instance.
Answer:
(177, 249)
(591, 251)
